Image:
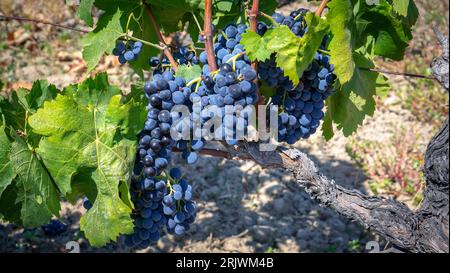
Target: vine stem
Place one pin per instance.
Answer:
(209, 43)
(36, 21)
(321, 8)
(253, 25)
(399, 73)
(197, 22)
(161, 38)
(145, 42)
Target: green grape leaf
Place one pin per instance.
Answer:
(348, 107)
(36, 190)
(13, 112)
(84, 11)
(6, 168)
(40, 92)
(125, 194)
(341, 51)
(169, 19)
(255, 46)
(189, 72)
(139, 24)
(406, 9)
(22, 103)
(383, 86)
(401, 6)
(382, 31)
(102, 39)
(268, 6)
(91, 130)
(327, 125)
(128, 117)
(9, 208)
(170, 14)
(224, 5)
(82, 185)
(34, 199)
(295, 54)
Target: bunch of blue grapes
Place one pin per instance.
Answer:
(183, 56)
(201, 37)
(302, 105)
(87, 205)
(151, 185)
(127, 52)
(55, 227)
(149, 220)
(232, 85)
(178, 206)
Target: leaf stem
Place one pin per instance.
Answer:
(144, 42)
(197, 22)
(161, 39)
(268, 17)
(323, 51)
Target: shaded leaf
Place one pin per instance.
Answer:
(6, 168)
(36, 191)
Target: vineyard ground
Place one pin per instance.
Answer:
(243, 208)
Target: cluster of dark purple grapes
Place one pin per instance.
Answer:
(127, 52)
(87, 205)
(160, 199)
(183, 56)
(160, 202)
(147, 194)
(164, 199)
(177, 205)
(221, 92)
(55, 227)
(301, 105)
